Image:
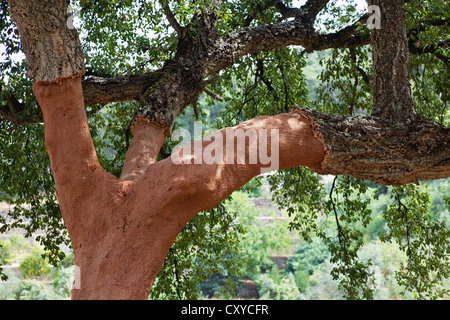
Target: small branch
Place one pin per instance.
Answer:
(13, 109)
(312, 8)
(429, 48)
(211, 80)
(259, 8)
(171, 17)
(341, 236)
(286, 90)
(213, 95)
(443, 58)
(260, 75)
(286, 11)
(195, 107)
(342, 36)
(359, 69)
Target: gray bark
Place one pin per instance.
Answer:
(391, 87)
(375, 149)
(52, 48)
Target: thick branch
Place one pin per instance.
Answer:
(224, 161)
(125, 88)
(364, 147)
(268, 37)
(67, 136)
(373, 148)
(176, 87)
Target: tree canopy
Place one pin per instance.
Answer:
(128, 46)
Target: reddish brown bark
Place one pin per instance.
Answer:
(121, 229)
(148, 140)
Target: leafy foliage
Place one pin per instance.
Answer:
(34, 265)
(425, 242)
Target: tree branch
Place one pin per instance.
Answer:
(428, 48)
(67, 136)
(213, 95)
(358, 68)
(372, 148)
(13, 109)
(363, 147)
(223, 53)
(124, 88)
(286, 12)
(391, 87)
(143, 150)
(171, 17)
(219, 177)
(268, 37)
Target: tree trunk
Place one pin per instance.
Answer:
(52, 49)
(391, 88)
(122, 229)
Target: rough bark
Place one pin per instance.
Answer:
(176, 87)
(268, 37)
(373, 148)
(391, 88)
(181, 80)
(52, 49)
(98, 90)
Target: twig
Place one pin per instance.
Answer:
(171, 17)
(341, 237)
(213, 95)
